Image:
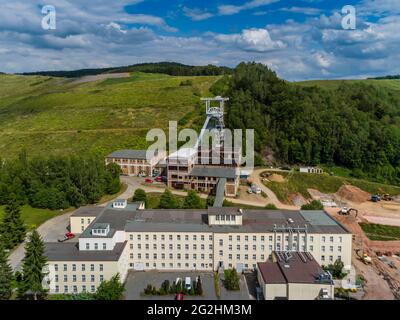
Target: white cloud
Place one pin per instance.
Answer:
(251, 40)
(231, 9)
(197, 14)
(303, 10)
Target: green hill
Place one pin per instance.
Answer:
(49, 115)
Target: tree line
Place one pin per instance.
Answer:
(356, 125)
(57, 182)
(170, 68)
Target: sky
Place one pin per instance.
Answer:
(299, 39)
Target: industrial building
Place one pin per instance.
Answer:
(124, 236)
(137, 162)
(294, 276)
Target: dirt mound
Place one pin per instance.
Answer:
(353, 194)
(297, 199)
(276, 178)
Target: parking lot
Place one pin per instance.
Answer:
(136, 282)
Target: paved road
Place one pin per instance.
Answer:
(50, 231)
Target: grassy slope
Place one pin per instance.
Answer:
(34, 217)
(300, 182)
(55, 116)
(381, 232)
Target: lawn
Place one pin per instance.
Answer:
(54, 115)
(34, 217)
(381, 232)
(296, 182)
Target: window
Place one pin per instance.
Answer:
(323, 248)
(178, 237)
(262, 257)
(262, 238)
(83, 288)
(56, 278)
(101, 267)
(139, 246)
(96, 246)
(88, 220)
(92, 278)
(202, 238)
(238, 238)
(186, 237)
(92, 288)
(210, 237)
(221, 253)
(65, 289)
(146, 237)
(104, 246)
(230, 247)
(74, 278)
(311, 248)
(323, 238)
(87, 246)
(238, 247)
(101, 278)
(83, 267)
(82, 228)
(65, 267)
(154, 246)
(246, 247)
(92, 267)
(154, 237)
(246, 238)
(57, 289)
(311, 238)
(270, 238)
(162, 237)
(83, 278)
(139, 237)
(322, 258)
(82, 221)
(65, 278)
(56, 267)
(230, 256)
(340, 239)
(330, 258)
(339, 248)
(163, 247)
(170, 237)
(331, 239)
(194, 238)
(131, 237)
(221, 242)
(254, 247)
(217, 217)
(331, 248)
(238, 256)
(222, 218)
(75, 289)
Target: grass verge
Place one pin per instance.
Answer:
(380, 232)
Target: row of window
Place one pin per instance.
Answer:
(83, 267)
(171, 256)
(225, 217)
(146, 246)
(238, 237)
(96, 246)
(74, 289)
(171, 265)
(170, 237)
(83, 278)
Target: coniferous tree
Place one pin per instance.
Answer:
(110, 290)
(6, 275)
(168, 201)
(192, 201)
(12, 227)
(33, 273)
(140, 196)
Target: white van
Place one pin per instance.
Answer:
(188, 283)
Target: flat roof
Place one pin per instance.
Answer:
(87, 212)
(131, 219)
(299, 268)
(183, 153)
(129, 154)
(217, 172)
(69, 251)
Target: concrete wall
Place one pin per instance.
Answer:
(79, 224)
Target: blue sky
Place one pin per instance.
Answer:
(299, 39)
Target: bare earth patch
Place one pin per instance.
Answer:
(98, 77)
(353, 194)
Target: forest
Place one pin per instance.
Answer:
(355, 125)
(57, 182)
(170, 68)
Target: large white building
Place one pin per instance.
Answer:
(121, 237)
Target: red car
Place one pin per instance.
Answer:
(159, 179)
(179, 296)
(148, 180)
(67, 236)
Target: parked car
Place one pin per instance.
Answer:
(188, 283)
(249, 190)
(67, 236)
(148, 180)
(159, 179)
(177, 281)
(179, 296)
(142, 175)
